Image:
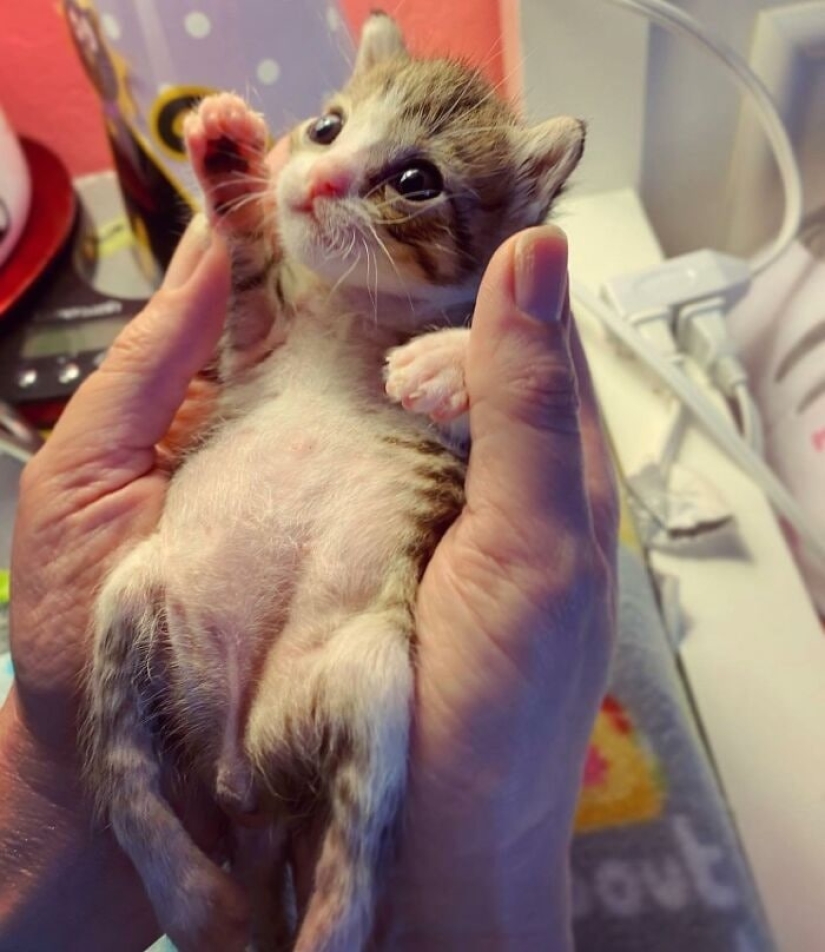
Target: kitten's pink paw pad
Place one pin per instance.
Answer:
(427, 375)
(227, 142)
(224, 135)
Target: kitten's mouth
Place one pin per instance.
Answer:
(305, 205)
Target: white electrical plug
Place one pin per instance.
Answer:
(678, 282)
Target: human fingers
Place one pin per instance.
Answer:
(121, 412)
(527, 461)
(191, 421)
(600, 474)
(191, 248)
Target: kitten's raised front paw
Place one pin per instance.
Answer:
(227, 143)
(427, 375)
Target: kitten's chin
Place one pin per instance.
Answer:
(303, 240)
(344, 258)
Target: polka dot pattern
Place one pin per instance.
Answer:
(198, 25)
(285, 55)
(111, 26)
(268, 71)
(333, 19)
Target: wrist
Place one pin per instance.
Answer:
(30, 772)
(452, 892)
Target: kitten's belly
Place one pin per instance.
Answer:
(297, 488)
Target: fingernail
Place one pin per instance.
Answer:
(541, 273)
(188, 254)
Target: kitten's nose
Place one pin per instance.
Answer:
(327, 180)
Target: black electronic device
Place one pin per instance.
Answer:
(59, 333)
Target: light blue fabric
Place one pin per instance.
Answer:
(162, 945)
(6, 674)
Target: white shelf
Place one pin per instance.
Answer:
(754, 657)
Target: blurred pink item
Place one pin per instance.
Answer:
(15, 189)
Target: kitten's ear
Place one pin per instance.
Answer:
(381, 39)
(548, 153)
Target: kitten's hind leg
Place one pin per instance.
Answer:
(349, 708)
(197, 904)
(227, 144)
(260, 864)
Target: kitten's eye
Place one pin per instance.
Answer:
(326, 129)
(419, 182)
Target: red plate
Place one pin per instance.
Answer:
(51, 215)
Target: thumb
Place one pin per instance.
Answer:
(120, 413)
(526, 461)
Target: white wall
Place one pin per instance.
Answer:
(691, 123)
(587, 59)
(664, 116)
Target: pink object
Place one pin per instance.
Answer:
(780, 333)
(47, 227)
(15, 189)
(46, 95)
(465, 28)
(329, 180)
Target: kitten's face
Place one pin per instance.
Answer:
(414, 174)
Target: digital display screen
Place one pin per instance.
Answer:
(72, 338)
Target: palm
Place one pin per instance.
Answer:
(63, 553)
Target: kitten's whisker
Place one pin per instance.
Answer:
(495, 87)
(495, 47)
(393, 203)
(373, 294)
(367, 252)
(401, 220)
(389, 257)
(430, 206)
(241, 178)
(241, 202)
(375, 299)
(350, 246)
(233, 154)
(374, 189)
(343, 278)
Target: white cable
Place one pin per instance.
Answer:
(672, 438)
(675, 20)
(708, 415)
(750, 418)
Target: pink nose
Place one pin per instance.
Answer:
(327, 181)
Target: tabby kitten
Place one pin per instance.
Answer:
(260, 640)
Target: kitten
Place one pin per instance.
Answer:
(266, 629)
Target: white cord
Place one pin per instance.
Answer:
(675, 20)
(750, 418)
(708, 415)
(673, 435)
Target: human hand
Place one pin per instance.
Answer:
(99, 483)
(515, 624)
(96, 487)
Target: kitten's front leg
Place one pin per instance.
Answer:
(227, 145)
(426, 376)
